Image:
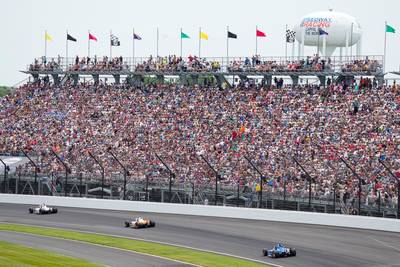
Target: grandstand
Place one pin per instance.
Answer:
(334, 145)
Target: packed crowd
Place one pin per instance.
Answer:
(269, 125)
(257, 64)
(95, 64)
(175, 63)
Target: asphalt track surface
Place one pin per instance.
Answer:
(97, 254)
(316, 245)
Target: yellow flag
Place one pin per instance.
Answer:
(203, 36)
(48, 37)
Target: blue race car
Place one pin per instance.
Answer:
(279, 251)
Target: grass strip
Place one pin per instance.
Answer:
(206, 259)
(20, 256)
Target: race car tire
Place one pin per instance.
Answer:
(127, 224)
(264, 252)
(152, 224)
(55, 210)
(292, 252)
(30, 210)
(273, 255)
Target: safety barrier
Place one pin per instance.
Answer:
(359, 222)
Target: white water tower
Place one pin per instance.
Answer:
(343, 31)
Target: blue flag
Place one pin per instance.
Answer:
(322, 32)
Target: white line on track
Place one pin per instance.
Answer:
(159, 242)
(99, 245)
(384, 244)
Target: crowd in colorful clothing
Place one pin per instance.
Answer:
(316, 125)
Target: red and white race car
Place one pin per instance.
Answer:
(140, 222)
(42, 209)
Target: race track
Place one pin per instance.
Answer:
(316, 245)
(97, 254)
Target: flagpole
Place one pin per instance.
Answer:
(351, 41)
(227, 46)
(384, 50)
(181, 42)
(66, 52)
(318, 44)
(89, 44)
(157, 41)
(199, 42)
(286, 32)
(110, 46)
(45, 45)
(256, 40)
(133, 48)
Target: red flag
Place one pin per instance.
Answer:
(92, 37)
(260, 34)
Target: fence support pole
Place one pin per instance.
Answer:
(126, 172)
(36, 170)
(309, 180)
(102, 172)
(67, 170)
(217, 178)
(398, 186)
(262, 178)
(171, 176)
(359, 183)
(5, 175)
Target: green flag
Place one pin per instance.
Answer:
(390, 29)
(184, 36)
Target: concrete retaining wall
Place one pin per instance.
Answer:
(360, 222)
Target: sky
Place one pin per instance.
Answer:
(23, 23)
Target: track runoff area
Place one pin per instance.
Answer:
(244, 239)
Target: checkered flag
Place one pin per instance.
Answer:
(114, 40)
(290, 36)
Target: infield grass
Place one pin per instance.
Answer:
(20, 256)
(206, 259)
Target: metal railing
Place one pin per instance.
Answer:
(354, 64)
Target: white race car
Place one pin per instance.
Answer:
(140, 223)
(42, 209)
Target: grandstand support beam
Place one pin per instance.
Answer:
(67, 170)
(262, 178)
(102, 172)
(160, 79)
(117, 78)
(126, 172)
(221, 80)
(36, 170)
(75, 78)
(35, 77)
(96, 78)
(309, 180)
(56, 79)
(295, 80)
(268, 80)
(359, 183)
(171, 177)
(217, 178)
(380, 79)
(398, 186)
(322, 80)
(6, 168)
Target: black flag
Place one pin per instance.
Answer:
(232, 35)
(70, 38)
